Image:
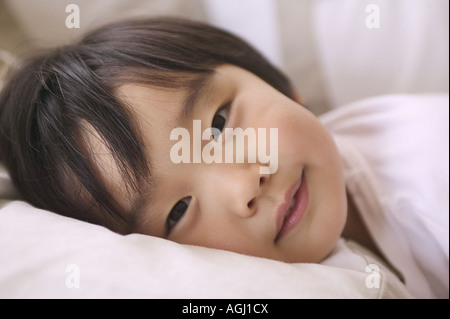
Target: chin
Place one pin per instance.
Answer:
(317, 250)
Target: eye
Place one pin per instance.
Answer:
(177, 212)
(219, 120)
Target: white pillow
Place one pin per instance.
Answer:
(44, 255)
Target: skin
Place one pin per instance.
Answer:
(233, 206)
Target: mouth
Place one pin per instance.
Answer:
(292, 210)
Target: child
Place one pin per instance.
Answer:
(89, 130)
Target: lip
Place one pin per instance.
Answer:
(287, 221)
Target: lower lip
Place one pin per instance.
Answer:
(298, 210)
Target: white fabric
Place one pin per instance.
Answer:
(370, 48)
(43, 255)
(395, 151)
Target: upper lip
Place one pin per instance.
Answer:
(284, 207)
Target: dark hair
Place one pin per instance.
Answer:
(44, 106)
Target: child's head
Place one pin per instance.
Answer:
(87, 131)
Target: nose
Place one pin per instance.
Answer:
(239, 191)
(251, 204)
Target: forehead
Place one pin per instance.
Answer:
(151, 103)
(178, 97)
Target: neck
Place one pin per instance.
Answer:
(356, 230)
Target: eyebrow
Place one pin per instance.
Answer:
(196, 87)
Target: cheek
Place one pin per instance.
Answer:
(319, 234)
(305, 141)
(223, 236)
(301, 136)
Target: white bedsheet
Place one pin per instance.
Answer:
(396, 155)
(43, 255)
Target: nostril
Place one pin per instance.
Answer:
(251, 203)
(262, 180)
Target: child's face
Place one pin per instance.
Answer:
(233, 206)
